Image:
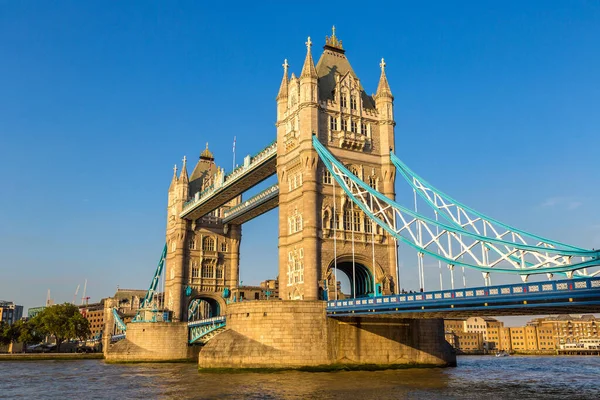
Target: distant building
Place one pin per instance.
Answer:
(10, 312)
(95, 314)
(473, 334)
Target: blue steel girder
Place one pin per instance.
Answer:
(255, 169)
(564, 296)
(118, 321)
(200, 330)
(451, 244)
(255, 206)
(466, 218)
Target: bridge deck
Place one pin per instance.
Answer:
(265, 201)
(566, 296)
(255, 170)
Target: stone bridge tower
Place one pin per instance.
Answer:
(202, 261)
(329, 101)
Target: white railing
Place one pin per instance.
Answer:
(251, 201)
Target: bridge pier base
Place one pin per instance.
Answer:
(153, 342)
(298, 334)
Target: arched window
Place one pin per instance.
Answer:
(219, 272)
(195, 270)
(223, 246)
(352, 102)
(208, 244)
(192, 244)
(343, 99)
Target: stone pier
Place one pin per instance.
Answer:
(296, 334)
(153, 342)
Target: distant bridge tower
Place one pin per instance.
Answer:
(199, 255)
(329, 101)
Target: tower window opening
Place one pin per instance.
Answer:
(219, 272)
(208, 244)
(332, 123)
(192, 244)
(326, 176)
(224, 246)
(344, 124)
(352, 102)
(208, 271)
(343, 100)
(353, 127)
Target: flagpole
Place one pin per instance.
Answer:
(233, 153)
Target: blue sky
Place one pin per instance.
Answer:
(496, 103)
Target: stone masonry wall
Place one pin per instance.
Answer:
(292, 334)
(153, 341)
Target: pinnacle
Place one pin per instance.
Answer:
(308, 69)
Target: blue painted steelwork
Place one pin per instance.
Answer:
(199, 330)
(584, 291)
(116, 338)
(149, 298)
(384, 211)
(118, 321)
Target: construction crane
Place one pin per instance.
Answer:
(75, 295)
(84, 300)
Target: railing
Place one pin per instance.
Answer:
(267, 193)
(199, 330)
(450, 298)
(206, 321)
(249, 163)
(116, 338)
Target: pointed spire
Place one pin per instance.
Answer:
(383, 89)
(183, 176)
(174, 180)
(308, 70)
(283, 89)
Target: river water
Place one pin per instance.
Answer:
(476, 377)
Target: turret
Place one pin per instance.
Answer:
(384, 102)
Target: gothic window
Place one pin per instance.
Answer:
(219, 272)
(363, 128)
(344, 124)
(192, 244)
(208, 271)
(295, 266)
(208, 244)
(353, 127)
(299, 223)
(352, 102)
(173, 245)
(326, 176)
(343, 100)
(223, 246)
(373, 182)
(356, 220)
(195, 270)
(347, 220)
(368, 225)
(332, 123)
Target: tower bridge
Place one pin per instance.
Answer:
(335, 161)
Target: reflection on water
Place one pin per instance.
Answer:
(474, 378)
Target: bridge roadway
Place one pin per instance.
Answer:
(550, 297)
(254, 170)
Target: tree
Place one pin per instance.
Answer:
(29, 332)
(63, 321)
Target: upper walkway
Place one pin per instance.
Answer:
(254, 170)
(265, 201)
(551, 297)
